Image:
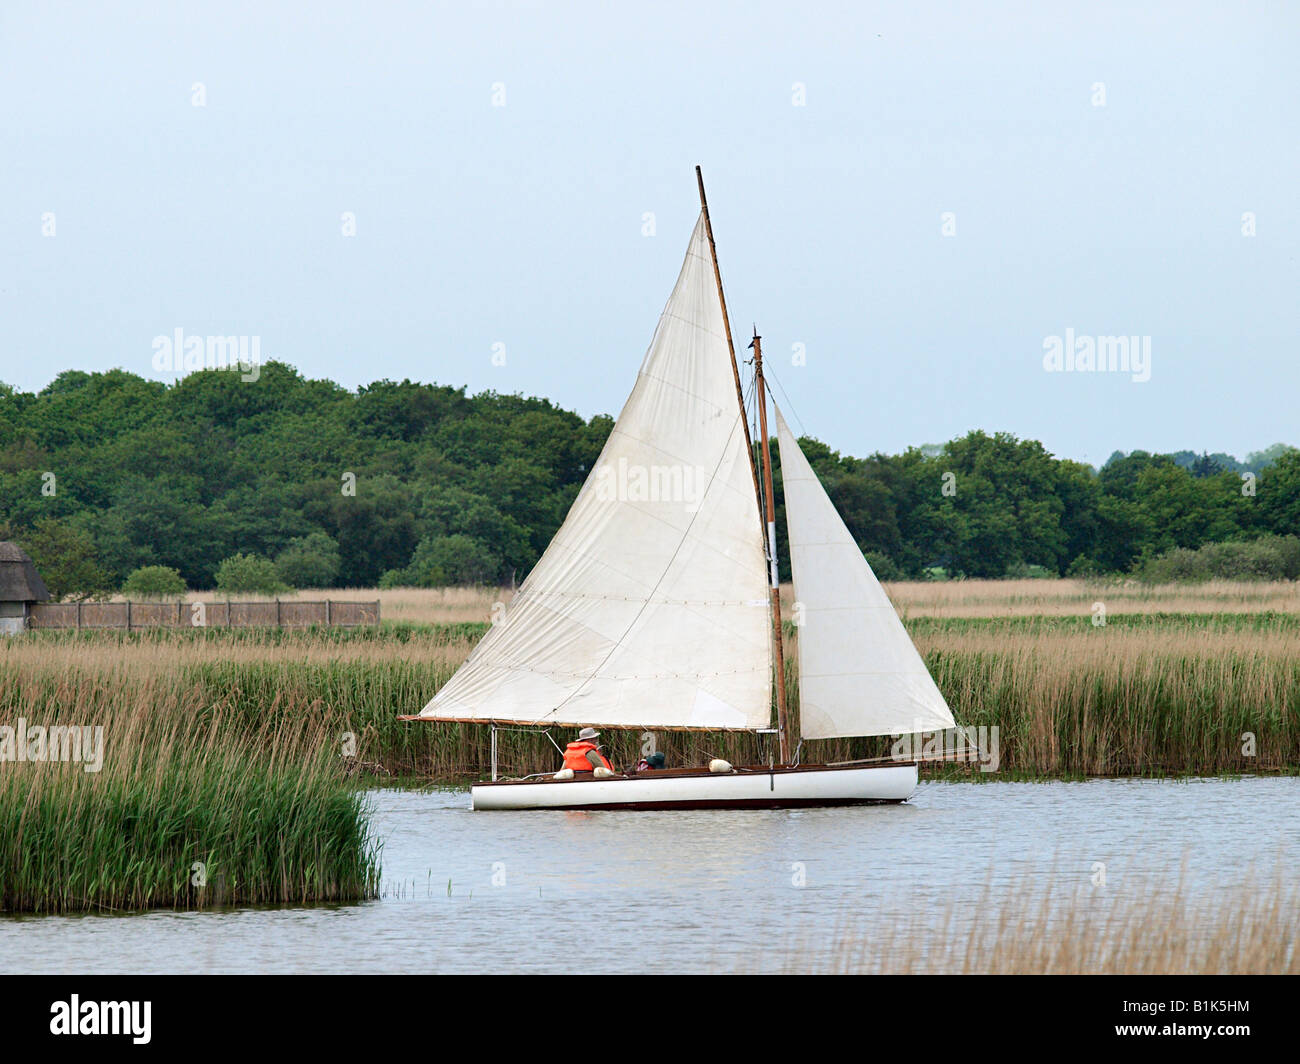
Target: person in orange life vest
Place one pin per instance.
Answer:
(585, 755)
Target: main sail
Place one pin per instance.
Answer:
(649, 608)
(859, 673)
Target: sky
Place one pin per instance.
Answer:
(910, 200)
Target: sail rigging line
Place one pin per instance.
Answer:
(803, 429)
(617, 645)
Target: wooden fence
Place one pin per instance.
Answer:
(131, 615)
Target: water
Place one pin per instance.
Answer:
(694, 891)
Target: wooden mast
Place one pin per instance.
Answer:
(731, 347)
(782, 720)
(782, 712)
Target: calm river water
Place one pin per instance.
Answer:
(695, 891)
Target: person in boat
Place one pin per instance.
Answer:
(585, 754)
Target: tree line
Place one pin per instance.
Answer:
(312, 485)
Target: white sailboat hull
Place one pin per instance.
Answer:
(757, 788)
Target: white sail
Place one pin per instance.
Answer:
(859, 673)
(649, 607)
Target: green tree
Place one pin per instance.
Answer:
(183, 475)
(1123, 530)
(1184, 510)
(154, 581)
(1006, 490)
(444, 560)
(405, 411)
(248, 573)
(449, 511)
(309, 561)
(1079, 489)
(65, 557)
(161, 521)
(1278, 495)
(1257, 460)
(375, 529)
(883, 566)
(1119, 476)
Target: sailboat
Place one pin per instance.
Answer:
(656, 607)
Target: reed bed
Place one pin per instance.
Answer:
(1182, 699)
(1039, 929)
(189, 809)
(1145, 694)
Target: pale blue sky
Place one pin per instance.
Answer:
(522, 224)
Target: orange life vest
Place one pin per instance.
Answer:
(575, 757)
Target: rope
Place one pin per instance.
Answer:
(789, 405)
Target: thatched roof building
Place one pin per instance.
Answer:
(20, 586)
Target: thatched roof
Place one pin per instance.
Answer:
(19, 580)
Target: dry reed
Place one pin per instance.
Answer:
(1037, 929)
